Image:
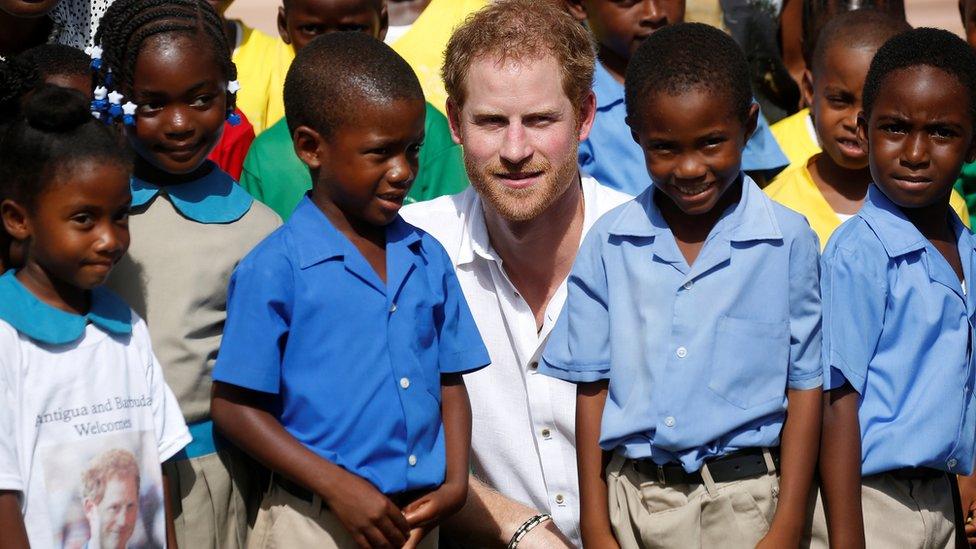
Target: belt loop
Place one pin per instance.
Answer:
(316, 505)
(661, 478)
(708, 481)
(770, 464)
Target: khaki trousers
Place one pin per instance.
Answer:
(902, 513)
(645, 514)
(210, 496)
(287, 522)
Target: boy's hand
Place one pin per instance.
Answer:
(433, 507)
(369, 516)
(967, 497)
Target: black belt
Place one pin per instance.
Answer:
(735, 466)
(916, 473)
(400, 499)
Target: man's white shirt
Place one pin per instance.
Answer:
(523, 430)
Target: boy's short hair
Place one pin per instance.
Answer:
(867, 28)
(57, 59)
(521, 30)
(686, 56)
(817, 13)
(336, 72)
(935, 48)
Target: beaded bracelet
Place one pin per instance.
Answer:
(526, 527)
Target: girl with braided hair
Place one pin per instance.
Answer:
(165, 76)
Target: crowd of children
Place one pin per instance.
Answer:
(216, 330)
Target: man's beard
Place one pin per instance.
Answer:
(522, 204)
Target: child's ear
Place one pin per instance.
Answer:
(971, 153)
(309, 146)
(454, 121)
(575, 8)
(384, 23)
(862, 131)
(806, 87)
(15, 220)
(283, 25)
(752, 121)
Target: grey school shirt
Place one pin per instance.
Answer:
(186, 241)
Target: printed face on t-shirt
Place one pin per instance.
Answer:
(114, 517)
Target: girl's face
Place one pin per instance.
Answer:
(78, 228)
(181, 94)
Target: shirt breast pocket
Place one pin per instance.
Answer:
(750, 361)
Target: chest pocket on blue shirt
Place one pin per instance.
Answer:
(750, 362)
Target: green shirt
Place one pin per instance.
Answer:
(275, 175)
(966, 185)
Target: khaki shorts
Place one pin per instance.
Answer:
(288, 522)
(647, 514)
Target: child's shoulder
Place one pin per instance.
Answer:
(854, 240)
(792, 224)
(262, 218)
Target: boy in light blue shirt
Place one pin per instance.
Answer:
(898, 280)
(684, 362)
(610, 153)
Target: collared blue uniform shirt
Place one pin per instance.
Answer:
(899, 327)
(611, 155)
(699, 358)
(213, 198)
(46, 324)
(355, 364)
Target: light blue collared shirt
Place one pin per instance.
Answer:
(352, 364)
(899, 327)
(611, 155)
(46, 324)
(214, 198)
(699, 357)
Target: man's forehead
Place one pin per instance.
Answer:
(497, 84)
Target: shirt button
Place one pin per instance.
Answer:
(404, 382)
(412, 460)
(560, 499)
(669, 421)
(688, 285)
(952, 462)
(393, 308)
(681, 352)
(546, 433)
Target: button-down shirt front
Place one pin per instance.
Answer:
(354, 363)
(699, 357)
(524, 428)
(898, 325)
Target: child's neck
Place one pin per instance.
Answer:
(369, 239)
(53, 291)
(19, 34)
(151, 174)
(691, 231)
(615, 64)
(932, 221)
(843, 188)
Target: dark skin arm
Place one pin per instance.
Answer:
(369, 516)
(168, 506)
(12, 522)
(592, 461)
(967, 496)
(798, 458)
(432, 508)
(840, 468)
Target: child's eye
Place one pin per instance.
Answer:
(353, 28)
(378, 151)
(150, 106)
(414, 150)
(313, 30)
(892, 128)
(202, 101)
(122, 216)
(943, 133)
(84, 219)
(713, 142)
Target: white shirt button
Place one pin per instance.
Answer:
(952, 462)
(688, 285)
(393, 308)
(669, 421)
(404, 382)
(560, 499)
(412, 460)
(546, 433)
(681, 352)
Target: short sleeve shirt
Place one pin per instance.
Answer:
(898, 326)
(699, 358)
(354, 364)
(76, 391)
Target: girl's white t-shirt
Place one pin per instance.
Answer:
(89, 412)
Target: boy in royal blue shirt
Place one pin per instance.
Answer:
(898, 282)
(347, 331)
(683, 361)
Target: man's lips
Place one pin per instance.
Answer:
(519, 180)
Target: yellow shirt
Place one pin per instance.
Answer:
(262, 62)
(796, 136)
(795, 189)
(424, 44)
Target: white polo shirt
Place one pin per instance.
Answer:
(523, 434)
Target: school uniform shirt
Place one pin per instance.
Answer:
(186, 241)
(699, 358)
(898, 326)
(611, 155)
(795, 189)
(260, 59)
(797, 138)
(75, 389)
(523, 432)
(353, 364)
(275, 175)
(233, 145)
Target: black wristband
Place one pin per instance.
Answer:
(526, 526)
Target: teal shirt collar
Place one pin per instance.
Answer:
(46, 324)
(214, 198)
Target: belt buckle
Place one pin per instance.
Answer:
(661, 479)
